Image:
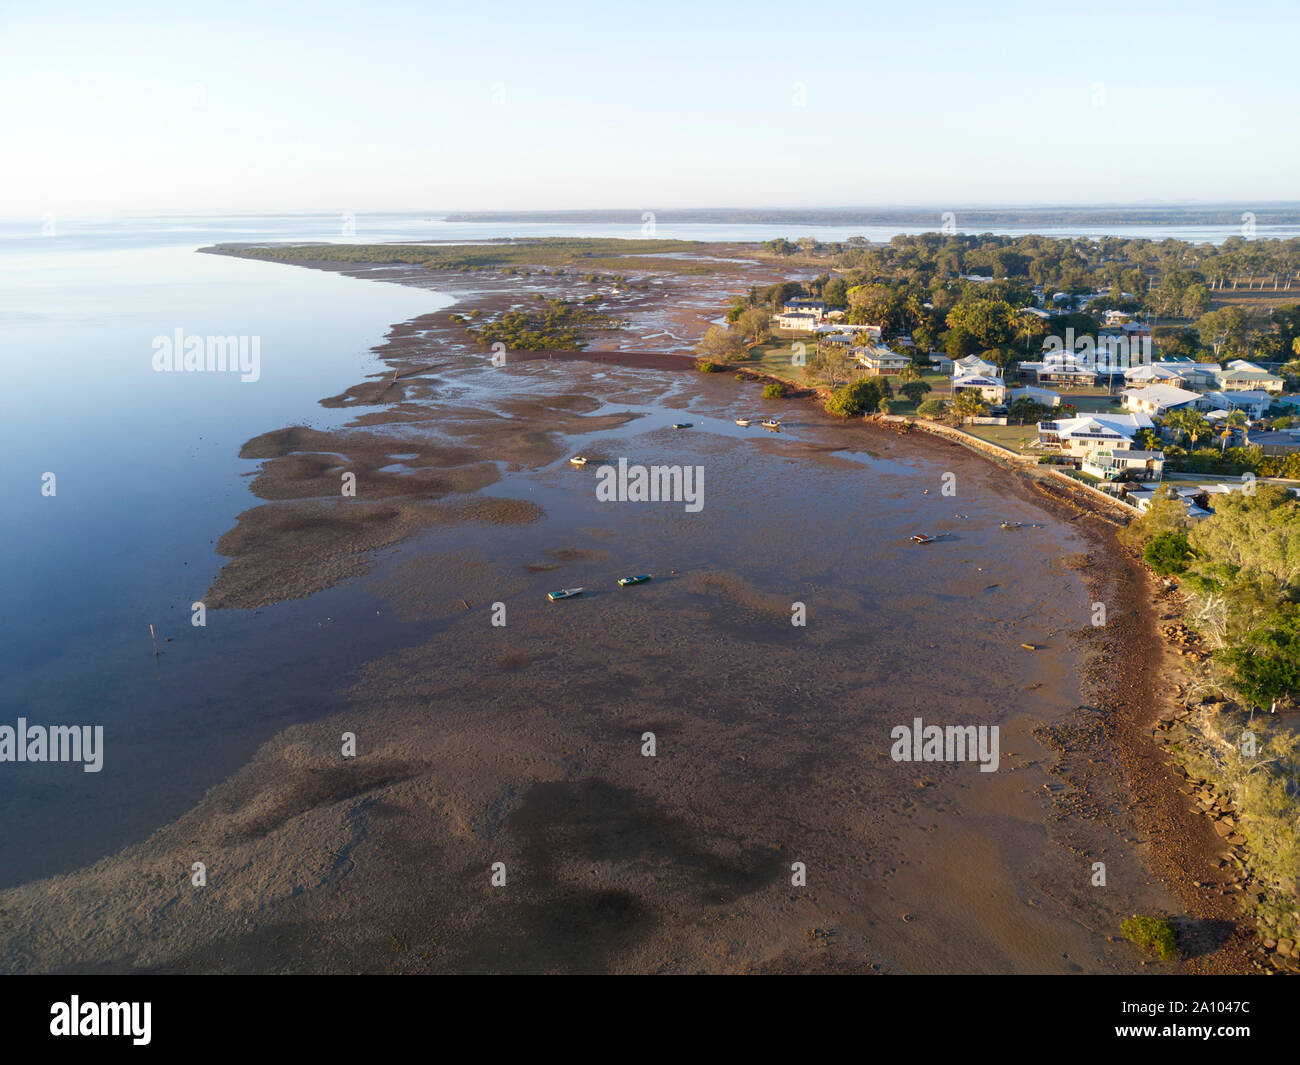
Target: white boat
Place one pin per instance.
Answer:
(770, 423)
(578, 460)
(563, 593)
(742, 421)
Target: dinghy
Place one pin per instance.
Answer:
(770, 423)
(641, 578)
(682, 425)
(924, 538)
(742, 421)
(578, 460)
(563, 593)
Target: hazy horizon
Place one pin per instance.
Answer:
(577, 106)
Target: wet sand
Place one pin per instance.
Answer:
(522, 743)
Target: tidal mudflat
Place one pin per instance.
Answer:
(770, 830)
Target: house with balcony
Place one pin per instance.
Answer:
(1254, 404)
(1079, 436)
(797, 322)
(880, 361)
(816, 308)
(1242, 376)
(1124, 464)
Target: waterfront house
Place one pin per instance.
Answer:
(991, 389)
(805, 306)
(797, 322)
(1088, 432)
(837, 340)
(1124, 464)
(880, 361)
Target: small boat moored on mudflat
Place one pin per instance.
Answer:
(578, 460)
(742, 421)
(563, 593)
(770, 423)
(640, 578)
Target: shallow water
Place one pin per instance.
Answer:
(787, 725)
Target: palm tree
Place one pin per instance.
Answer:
(1238, 420)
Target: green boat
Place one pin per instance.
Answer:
(682, 425)
(640, 579)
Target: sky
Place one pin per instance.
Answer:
(498, 105)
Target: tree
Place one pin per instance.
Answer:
(1256, 536)
(960, 343)
(1025, 409)
(914, 390)
(1168, 553)
(721, 345)
(991, 322)
(1267, 662)
(1223, 328)
(932, 408)
(856, 399)
(969, 403)
(754, 325)
(874, 305)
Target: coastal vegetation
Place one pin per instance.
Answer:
(1239, 570)
(584, 256)
(554, 325)
(966, 295)
(859, 397)
(1152, 935)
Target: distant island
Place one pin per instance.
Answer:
(1278, 213)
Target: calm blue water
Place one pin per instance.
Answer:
(147, 478)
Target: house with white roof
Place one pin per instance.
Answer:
(1157, 400)
(1088, 432)
(1242, 376)
(1182, 374)
(973, 364)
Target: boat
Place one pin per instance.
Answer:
(682, 425)
(1012, 525)
(641, 578)
(563, 593)
(924, 538)
(770, 423)
(578, 460)
(742, 421)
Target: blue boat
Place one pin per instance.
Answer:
(639, 579)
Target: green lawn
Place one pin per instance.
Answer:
(1011, 437)
(776, 359)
